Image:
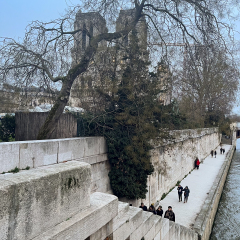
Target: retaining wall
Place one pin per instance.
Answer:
(204, 221)
(176, 159)
(39, 153)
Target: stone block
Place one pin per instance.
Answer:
(124, 226)
(158, 236)
(102, 145)
(165, 229)
(70, 149)
(177, 231)
(143, 229)
(43, 197)
(6, 203)
(9, 156)
(91, 146)
(102, 210)
(103, 232)
(38, 153)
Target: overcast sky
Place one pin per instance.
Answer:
(15, 15)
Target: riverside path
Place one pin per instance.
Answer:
(199, 182)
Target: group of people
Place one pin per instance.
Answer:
(186, 191)
(214, 152)
(222, 150)
(168, 214)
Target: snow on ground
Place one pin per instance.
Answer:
(199, 182)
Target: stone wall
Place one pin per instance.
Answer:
(176, 159)
(39, 153)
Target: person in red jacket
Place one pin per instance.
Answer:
(197, 163)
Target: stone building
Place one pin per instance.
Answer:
(106, 68)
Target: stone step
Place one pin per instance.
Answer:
(103, 208)
(148, 222)
(124, 226)
(155, 228)
(122, 208)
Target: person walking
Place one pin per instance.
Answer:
(215, 153)
(212, 153)
(186, 194)
(197, 163)
(221, 150)
(180, 190)
(160, 211)
(170, 214)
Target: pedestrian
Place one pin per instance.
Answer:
(186, 194)
(197, 163)
(215, 153)
(152, 209)
(160, 211)
(144, 208)
(212, 153)
(221, 150)
(170, 214)
(180, 190)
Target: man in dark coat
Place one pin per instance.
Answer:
(186, 193)
(144, 208)
(212, 153)
(180, 189)
(170, 214)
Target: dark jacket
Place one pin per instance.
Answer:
(160, 212)
(170, 215)
(186, 192)
(144, 208)
(180, 190)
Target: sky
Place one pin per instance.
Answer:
(15, 15)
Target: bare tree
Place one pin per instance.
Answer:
(208, 83)
(45, 54)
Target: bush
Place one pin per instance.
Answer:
(7, 128)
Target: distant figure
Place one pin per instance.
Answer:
(152, 209)
(212, 153)
(197, 163)
(215, 153)
(170, 214)
(160, 211)
(186, 194)
(180, 190)
(144, 208)
(221, 150)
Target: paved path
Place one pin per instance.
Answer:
(199, 182)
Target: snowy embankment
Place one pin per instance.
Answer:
(199, 182)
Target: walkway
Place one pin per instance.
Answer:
(199, 182)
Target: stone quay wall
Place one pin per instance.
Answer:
(173, 161)
(204, 222)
